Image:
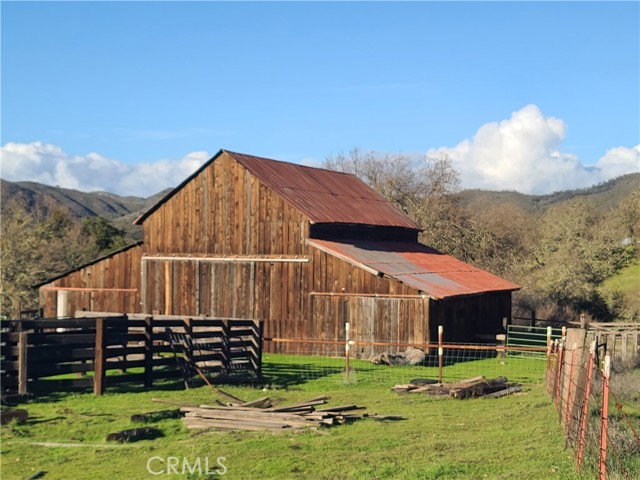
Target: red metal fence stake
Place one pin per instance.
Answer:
(549, 343)
(559, 377)
(569, 399)
(605, 417)
(585, 406)
(549, 349)
(552, 365)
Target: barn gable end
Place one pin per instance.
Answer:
(110, 283)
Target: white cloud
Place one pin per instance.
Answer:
(618, 161)
(523, 153)
(49, 164)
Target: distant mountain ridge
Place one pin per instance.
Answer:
(122, 211)
(36, 197)
(604, 196)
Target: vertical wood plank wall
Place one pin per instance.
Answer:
(91, 286)
(238, 215)
(226, 211)
(281, 294)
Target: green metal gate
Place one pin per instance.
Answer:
(523, 336)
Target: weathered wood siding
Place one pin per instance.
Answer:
(402, 320)
(378, 308)
(109, 285)
(288, 296)
(184, 268)
(225, 210)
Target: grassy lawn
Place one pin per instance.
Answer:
(442, 438)
(626, 280)
(626, 283)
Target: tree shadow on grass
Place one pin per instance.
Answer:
(290, 374)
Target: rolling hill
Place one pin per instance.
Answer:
(36, 197)
(604, 196)
(122, 211)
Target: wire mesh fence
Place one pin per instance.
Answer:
(597, 397)
(401, 364)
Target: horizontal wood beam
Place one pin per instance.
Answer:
(90, 289)
(425, 346)
(230, 259)
(372, 295)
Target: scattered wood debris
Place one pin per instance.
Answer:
(152, 417)
(470, 387)
(134, 434)
(8, 414)
(261, 415)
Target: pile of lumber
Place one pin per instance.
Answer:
(470, 387)
(262, 415)
(9, 414)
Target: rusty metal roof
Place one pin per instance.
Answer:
(418, 266)
(325, 196)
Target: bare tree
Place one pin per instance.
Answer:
(391, 175)
(426, 191)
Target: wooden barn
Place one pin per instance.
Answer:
(304, 249)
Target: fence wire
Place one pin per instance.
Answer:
(597, 398)
(459, 361)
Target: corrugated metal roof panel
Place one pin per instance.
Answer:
(325, 196)
(322, 195)
(418, 266)
(434, 284)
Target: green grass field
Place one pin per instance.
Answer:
(626, 280)
(624, 284)
(442, 438)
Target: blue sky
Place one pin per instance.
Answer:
(126, 89)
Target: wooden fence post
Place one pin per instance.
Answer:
(148, 352)
(605, 417)
(23, 365)
(188, 330)
(347, 328)
(259, 348)
(98, 363)
(440, 352)
(226, 347)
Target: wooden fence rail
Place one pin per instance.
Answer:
(620, 340)
(99, 352)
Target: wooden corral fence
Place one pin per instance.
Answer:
(99, 352)
(620, 340)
